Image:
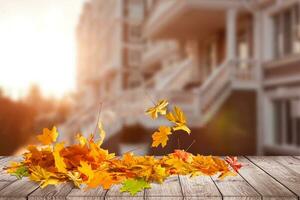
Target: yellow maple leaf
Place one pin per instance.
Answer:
(179, 119)
(160, 137)
(48, 136)
(102, 134)
(59, 161)
(159, 108)
(102, 178)
(75, 178)
(87, 170)
(43, 176)
(159, 174)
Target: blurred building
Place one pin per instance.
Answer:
(231, 65)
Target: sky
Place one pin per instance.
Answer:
(38, 45)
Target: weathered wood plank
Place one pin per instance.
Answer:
(200, 187)
(3, 184)
(114, 193)
(280, 168)
(266, 185)
(19, 189)
(90, 194)
(52, 192)
(4, 176)
(236, 187)
(170, 189)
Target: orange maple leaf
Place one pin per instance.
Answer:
(160, 137)
(102, 178)
(48, 136)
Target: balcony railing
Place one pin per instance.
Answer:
(214, 86)
(158, 51)
(175, 76)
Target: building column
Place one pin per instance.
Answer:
(231, 18)
(192, 50)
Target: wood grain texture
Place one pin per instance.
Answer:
(19, 189)
(236, 188)
(4, 163)
(3, 184)
(200, 187)
(266, 185)
(170, 189)
(260, 178)
(281, 169)
(114, 194)
(91, 194)
(52, 192)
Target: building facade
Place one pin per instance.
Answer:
(231, 65)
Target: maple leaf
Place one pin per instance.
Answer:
(59, 161)
(160, 137)
(232, 161)
(75, 178)
(102, 178)
(159, 108)
(43, 176)
(159, 173)
(133, 186)
(87, 170)
(48, 136)
(182, 154)
(179, 119)
(20, 172)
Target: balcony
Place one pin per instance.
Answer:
(187, 18)
(282, 71)
(156, 52)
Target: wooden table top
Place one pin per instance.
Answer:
(276, 177)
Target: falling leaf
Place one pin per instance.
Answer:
(179, 119)
(134, 186)
(59, 161)
(159, 108)
(232, 161)
(161, 136)
(48, 136)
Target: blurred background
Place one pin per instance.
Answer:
(233, 66)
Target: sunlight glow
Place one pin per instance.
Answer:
(38, 46)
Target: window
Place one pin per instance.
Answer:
(287, 122)
(287, 31)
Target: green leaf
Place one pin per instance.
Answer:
(21, 172)
(134, 186)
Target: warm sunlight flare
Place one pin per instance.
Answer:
(38, 46)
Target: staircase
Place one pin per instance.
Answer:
(200, 105)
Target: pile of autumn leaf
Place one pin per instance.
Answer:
(88, 165)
